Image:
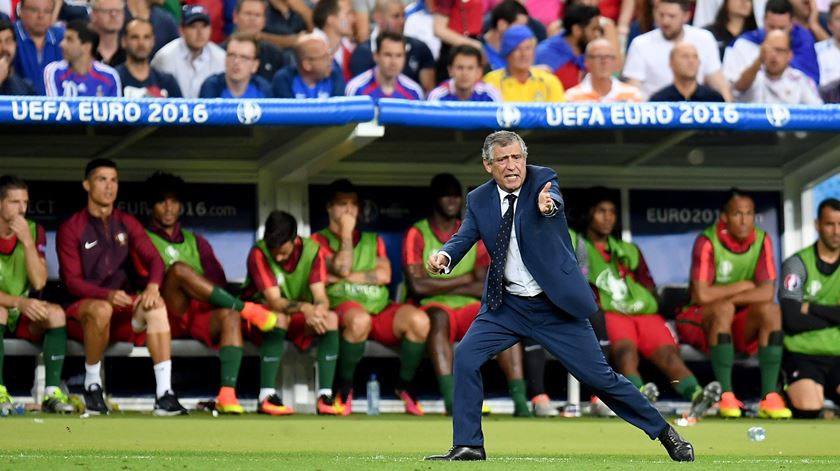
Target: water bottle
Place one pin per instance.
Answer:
(373, 396)
(756, 434)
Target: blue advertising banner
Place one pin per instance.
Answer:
(665, 224)
(225, 214)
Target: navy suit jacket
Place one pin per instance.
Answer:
(544, 242)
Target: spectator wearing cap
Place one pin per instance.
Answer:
(107, 18)
(563, 54)
(503, 16)
(685, 65)
(37, 41)
(314, 75)
(10, 82)
(166, 30)
(599, 85)
(240, 79)
(520, 81)
(191, 58)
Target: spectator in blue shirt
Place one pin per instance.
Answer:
(240, 79)
(10, 83)
(166, 29)
(38, 42)
(313, 77)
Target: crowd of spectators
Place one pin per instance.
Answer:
(762, 51)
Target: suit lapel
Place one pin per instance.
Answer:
(522, 203)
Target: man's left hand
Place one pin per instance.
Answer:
(545, 201)
(150, 297)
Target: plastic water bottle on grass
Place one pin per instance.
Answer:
(373, 396)
(756, 434)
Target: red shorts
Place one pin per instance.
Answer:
(296, 333)
(690, 330)
(121, 330)
(460, 319)
(382, 324)
(648, 332)
(194, 323)
(22, 330)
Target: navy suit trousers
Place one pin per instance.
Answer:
(570, 340)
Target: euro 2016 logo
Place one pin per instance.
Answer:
(724, 271)
(777, 115)
(248, 112)
(508, 116)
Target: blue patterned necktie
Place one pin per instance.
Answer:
(495, 278)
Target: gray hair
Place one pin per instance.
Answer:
(501, 139)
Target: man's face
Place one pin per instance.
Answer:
(251, 17)
(602, 218)
(670, 18)
(834, 23)
(508, 166)
(343, 203)
(138, 41)
(390, 58)
(685, 62)
(741, 8)
(72, 48)
(14, 204)
(36, 16)
(777, 54)
(344, 20)
(241, 61)
(591, 32)
(108, 16)
(391, 18)
(828, 227)
(781, 21)
(449, 206)
(283, 252)
(739, 217)
(522, 58)
(102, 186)
(600, 60)
(465, 71)
(8, 46)
(315, 59)
(166, 212)
(196, 35)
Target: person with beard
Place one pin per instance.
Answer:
(10, 82)
(563, 54)
(647, 58)
(453, 300)
(240, 79)
(80, 74)
(138, 77)
(810, 300)
(107, 18)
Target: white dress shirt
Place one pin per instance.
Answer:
(175, 58)
(518, 279)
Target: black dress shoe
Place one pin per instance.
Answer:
(461, 453)
(678, 448)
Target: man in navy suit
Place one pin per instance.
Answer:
(533, 289)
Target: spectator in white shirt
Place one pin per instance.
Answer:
(828, 51)
(192, 57)
(776, 82)
(647, 59)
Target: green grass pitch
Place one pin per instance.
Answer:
(142, 442)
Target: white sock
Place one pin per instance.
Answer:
(325, 392)
(163, 377)
(92, 375)
(50, 390)
(265, 392)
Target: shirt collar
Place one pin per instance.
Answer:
(503, 193)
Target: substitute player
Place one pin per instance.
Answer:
(453, 300)
(23, 266)
(197, 305)
(732, 308)
(359, 274)
(288, 275)
(94, 249)
(625, 291)
(810, 300)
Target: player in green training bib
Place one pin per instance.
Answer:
(359, 274)
(23, 266)
(453, 300)
(619, 274)
(288, 274)
(733, 279)
(810, 299)
(196, 302)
